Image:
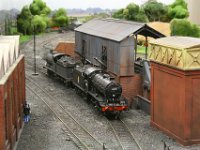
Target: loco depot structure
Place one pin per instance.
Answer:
(113, 42)
(12, 91)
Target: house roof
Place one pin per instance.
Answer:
(178, 42)
(9, 52)
(117, 30)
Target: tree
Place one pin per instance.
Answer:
(141, 16)
(154, 10)
(179, 3)
(178, 10)
(39, 7)
(60, 18)
(24, 21)
(131, 11)
(183, 27)
(39, 24)
(33, 15)
(118, 14)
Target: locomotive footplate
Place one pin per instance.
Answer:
(105, 106)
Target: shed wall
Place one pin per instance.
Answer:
(78, 42)
(119, 55)
(93, 47)
(127, 47)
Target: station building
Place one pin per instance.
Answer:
(12, 91)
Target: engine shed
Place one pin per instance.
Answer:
(113, 42)
(12, 91)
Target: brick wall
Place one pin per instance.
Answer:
(2, 119)
(12, 97)
(131, 86)
(66, 48)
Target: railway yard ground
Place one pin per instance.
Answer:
(63, 120)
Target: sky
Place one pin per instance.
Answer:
(55, 4)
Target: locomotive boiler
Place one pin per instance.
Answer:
(100, 88)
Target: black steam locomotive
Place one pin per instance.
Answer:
(96, 84)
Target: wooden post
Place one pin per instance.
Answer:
(136, 37)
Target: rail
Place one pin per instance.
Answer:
(87, 140)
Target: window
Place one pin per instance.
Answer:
(83, 48)
(104, 55)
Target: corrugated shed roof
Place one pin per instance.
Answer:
(9, 52)
(113, 29)
(178, 42)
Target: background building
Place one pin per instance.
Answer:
(12, 91)
(193, 7)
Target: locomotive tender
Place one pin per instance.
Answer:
(60, 65)
(96, 84)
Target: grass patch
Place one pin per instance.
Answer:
(13, 30)
(141, 49)
(25, 38)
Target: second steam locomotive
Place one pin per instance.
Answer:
(93, 82)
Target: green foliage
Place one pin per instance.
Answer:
(141, 17)
(60, 18)
(183, 27)
(141, 49)
(39, 7)
(178, 10)
(33, 15)
(131, 12)
(46, 19)
(154, 10)
(39, 24)
(179, 3)
(24, 38)
(8, 26)
(24, 21)
(118, 14)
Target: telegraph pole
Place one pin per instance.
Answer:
(34, 50)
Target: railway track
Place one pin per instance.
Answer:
(86, 140)
(121, 131)
(123, 135)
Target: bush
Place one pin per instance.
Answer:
(183, 27)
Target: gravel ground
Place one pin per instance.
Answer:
(46, 132)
